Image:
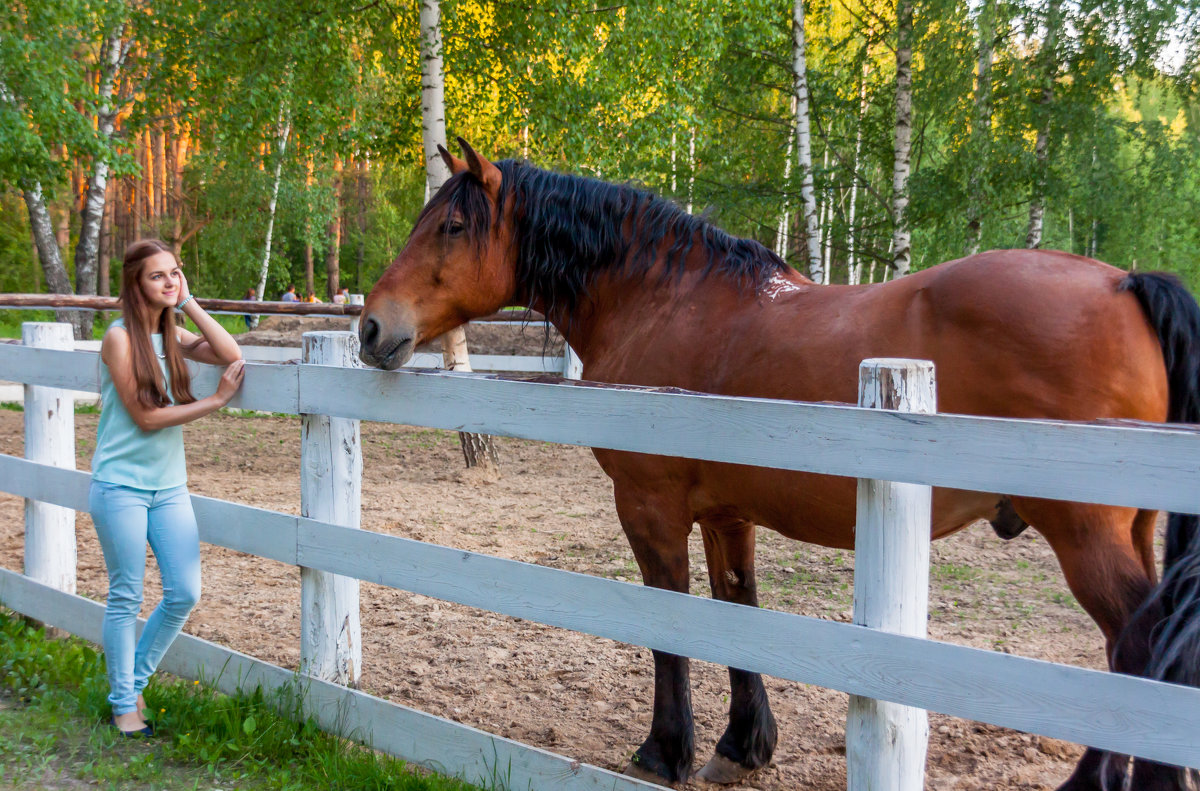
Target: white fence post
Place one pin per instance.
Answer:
(356, 299)
(330, 490)
(572, 365)
(886, 742)
(50, 554)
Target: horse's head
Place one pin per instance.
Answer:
(455, 266)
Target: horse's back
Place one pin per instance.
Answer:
(1042, 334)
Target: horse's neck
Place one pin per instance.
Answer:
(622, 309)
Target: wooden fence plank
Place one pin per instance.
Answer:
(330, 491)
(50, 554)
(886, 743)
(433, 742)
(1144, 465)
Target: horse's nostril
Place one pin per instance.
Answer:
(370, 333)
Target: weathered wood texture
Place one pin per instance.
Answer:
(886, 742)
(1121, 713)
(1127, 463)
(572, 366)
(435, 743)
(331, 492)
(50, 554)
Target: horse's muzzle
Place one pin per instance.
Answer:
(383, 350)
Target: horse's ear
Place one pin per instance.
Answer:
(455, 164)
(487, 173)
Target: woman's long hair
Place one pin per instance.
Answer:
(151, 389)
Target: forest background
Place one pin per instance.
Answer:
(858, 138)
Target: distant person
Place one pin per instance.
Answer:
(139, 476)
(250, 318)
(311, 297)
(290, 294)
(342, 297)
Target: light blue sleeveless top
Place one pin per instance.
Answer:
(125, 454)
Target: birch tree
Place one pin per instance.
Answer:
(808, 198)
(478, 449)
(283, 132)
(1043, 113)
(901, 234)
(981, 129)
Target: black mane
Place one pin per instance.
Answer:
(568, 228)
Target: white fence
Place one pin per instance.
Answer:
(1136, 465)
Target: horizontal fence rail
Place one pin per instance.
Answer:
(1115, 712)
(1143, 465)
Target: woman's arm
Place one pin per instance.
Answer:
(117, 355)
(216, 346)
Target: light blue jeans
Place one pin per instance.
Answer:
(126, 519)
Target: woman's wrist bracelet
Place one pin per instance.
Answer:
(190, 297)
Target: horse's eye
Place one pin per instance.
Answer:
(452, 227)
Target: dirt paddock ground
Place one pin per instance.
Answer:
(578, 695)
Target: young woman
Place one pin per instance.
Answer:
(138, 492)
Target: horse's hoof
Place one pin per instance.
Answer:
(638, 773)
(723, 771)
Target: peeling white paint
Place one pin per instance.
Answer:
(777, 285)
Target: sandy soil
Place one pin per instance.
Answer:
(575, 694)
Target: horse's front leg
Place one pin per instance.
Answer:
(657, 525)
(749, 738)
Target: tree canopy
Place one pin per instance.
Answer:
(305, 118)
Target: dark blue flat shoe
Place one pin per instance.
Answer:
(141, 733)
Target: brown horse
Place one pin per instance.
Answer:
(648, 294)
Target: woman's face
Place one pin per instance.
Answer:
(160, 280)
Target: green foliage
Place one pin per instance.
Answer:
(691, 98)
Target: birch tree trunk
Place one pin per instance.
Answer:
(284, 132)
(87, 251)
(981, 133)
(808, 196)
(901, 236)
(1041, 149)
(854, 266)
(477, 449)
(781, 230)
(42, 229)
(333, 232)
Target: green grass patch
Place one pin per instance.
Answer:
(54, 728)
(80, 409)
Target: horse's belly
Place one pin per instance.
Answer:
(818, 509)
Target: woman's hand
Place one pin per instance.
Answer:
(231, 380)
(184, 293)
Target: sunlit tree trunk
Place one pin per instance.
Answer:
(1043, 112)
(283, 132)
(901, 235)
(87, 251)
(333, 233)
(808, 198)
(854, 266)
(781, 229)
(477, 449)
(981, 131)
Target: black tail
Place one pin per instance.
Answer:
(1175, 603)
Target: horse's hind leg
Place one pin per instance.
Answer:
(1105, 555)
(657, 526)
(749, 738)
